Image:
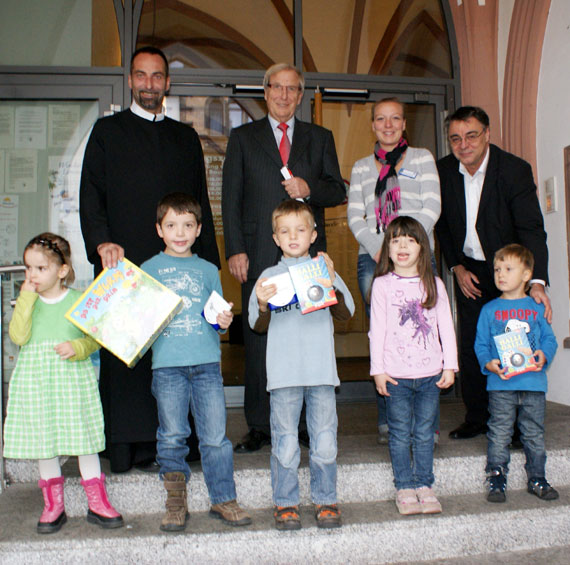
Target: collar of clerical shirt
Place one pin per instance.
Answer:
(142, 113)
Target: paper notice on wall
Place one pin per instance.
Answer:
(7, 127)
(63, 125)
(64, 176)
(8, 229)
(31, 127)
(21, 171)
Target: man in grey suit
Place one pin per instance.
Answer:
(253, 185)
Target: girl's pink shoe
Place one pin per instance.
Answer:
(100, 510)
(53, 516)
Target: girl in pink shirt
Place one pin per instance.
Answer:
(413, 355)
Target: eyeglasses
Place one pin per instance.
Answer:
(281, 87)
(469, 137)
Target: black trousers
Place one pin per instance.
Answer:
(256, 398)
(473, 382)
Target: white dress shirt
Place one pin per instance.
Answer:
(473, 187)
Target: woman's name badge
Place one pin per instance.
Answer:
(408, 173)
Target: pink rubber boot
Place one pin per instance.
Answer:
(53, 516)
(100, 510)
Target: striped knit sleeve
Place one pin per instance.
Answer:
(429, 191)
(360, 200)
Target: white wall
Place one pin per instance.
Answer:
(504, 24)
(553, 134)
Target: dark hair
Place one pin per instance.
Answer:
(409, 227)
(290, 206)
(517, 251)
(393, 99)
(151, 51)
(465, 112)
(55, 248)
(181, 203)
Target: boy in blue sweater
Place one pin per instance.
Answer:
(525, 392)
(301, 365)
(186, 370)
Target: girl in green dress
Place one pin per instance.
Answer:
(53, 403)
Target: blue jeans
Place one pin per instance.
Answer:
(503, 406)
(286, 404)
(412, 408)
(201, 386)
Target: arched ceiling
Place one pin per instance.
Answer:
(387, 37)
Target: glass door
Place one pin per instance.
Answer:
(213, 117)
(213, 112)
(354, 139)
(43, 133)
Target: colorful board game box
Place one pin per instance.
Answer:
(125, 310)
(515, 352)
(313, 285)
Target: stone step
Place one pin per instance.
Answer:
(142, 493)
(373, 532)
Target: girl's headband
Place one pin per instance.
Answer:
(51, 245)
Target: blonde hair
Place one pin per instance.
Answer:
(392, 99)
(288, 207)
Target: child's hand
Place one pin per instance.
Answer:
(540, 359)
(28, 285)
(330, 266)
(494, 366)
(225, 318)
(65, 350)
(264, 293)
(380, 382)
(447, 379)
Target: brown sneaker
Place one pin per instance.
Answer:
(328, 516)
(230, 513)
(176, 505)
(287, 517)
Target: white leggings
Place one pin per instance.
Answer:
(89, 467)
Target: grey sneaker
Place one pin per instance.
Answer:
(382, 438)
(435, 439)
(230, 513)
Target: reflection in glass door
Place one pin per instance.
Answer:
(352, 127)
(213, 117)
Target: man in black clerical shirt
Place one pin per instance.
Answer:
(132, 160)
